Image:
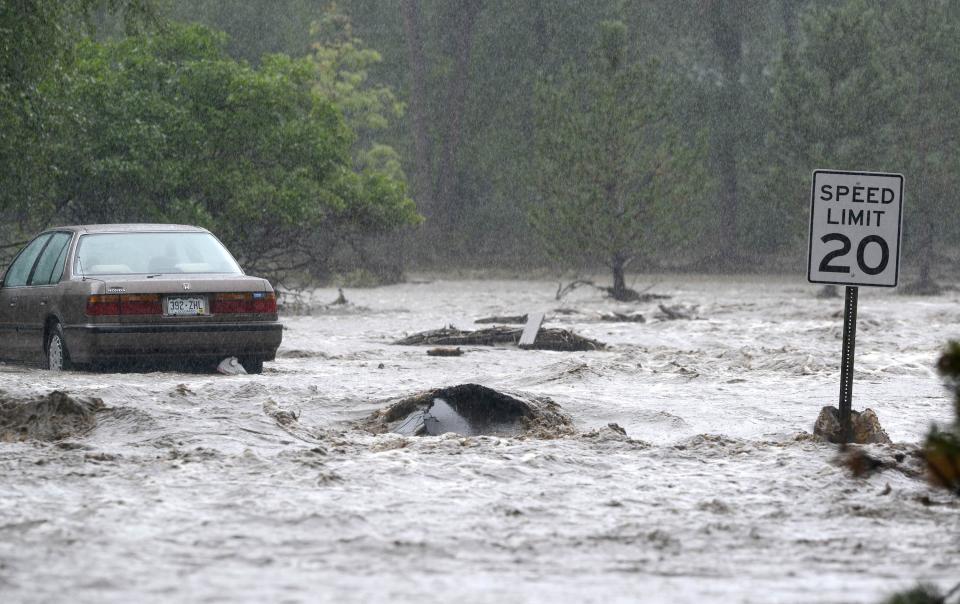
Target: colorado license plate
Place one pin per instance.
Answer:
(187, 306)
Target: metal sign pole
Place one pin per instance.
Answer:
(846, 360)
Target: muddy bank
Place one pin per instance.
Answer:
(471, 410)
(47, 417)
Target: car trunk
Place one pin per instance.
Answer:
(138, 292)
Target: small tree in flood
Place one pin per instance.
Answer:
(616, 172)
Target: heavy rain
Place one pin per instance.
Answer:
(504, 301)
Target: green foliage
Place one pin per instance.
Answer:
(942, 448)
(872, 86)
(921, 594)
(617, 175)
(37, 41)
(167, 127)
(342, 64)
(835, 104)
(922, 46)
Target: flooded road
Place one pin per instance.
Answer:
(266, 487)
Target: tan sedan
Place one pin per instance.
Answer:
(102, 294)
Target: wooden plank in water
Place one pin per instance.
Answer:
(530, 330)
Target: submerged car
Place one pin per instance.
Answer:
(107, 294)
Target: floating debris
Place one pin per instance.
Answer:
(677, 311)
(445, 352)
(547, 339)
(231, 366)
(619, 317)
(504, 320)
(471, 410)
(50, 417)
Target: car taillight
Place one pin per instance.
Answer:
(251, 302)
(140, 304)
(130, 304)
(98, 306)
(263, 302)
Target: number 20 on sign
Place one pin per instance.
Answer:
(855, 220)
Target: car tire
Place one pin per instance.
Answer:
(252, 365)
(57, 356)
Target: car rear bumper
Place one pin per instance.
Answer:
(116, 342)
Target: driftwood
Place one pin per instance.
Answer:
(619, 317)
(628, 295)
(677, 311)
(563, 290)
(547, 339)
(444, 352)
(504, 319)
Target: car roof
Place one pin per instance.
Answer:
(130, 228)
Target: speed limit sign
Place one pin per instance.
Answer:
(855, 222)
(854, 241)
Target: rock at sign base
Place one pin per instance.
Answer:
(866, 427)
(231, 366)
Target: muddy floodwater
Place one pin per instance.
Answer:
(268, 488)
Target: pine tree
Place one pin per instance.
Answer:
(615, 170)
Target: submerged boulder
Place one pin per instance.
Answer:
(471, 410)
(866, 427)
(47, 417)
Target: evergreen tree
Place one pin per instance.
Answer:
(921, 53)
(616, 175)
(836, 105)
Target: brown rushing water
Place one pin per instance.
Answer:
(261, 488)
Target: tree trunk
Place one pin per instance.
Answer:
(619, 291)
(465, 14)
(790, 9)
(925, 190)
(725, 24)
(422, 176)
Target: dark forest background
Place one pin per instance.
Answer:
(372, 137)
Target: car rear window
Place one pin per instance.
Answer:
(152, 253)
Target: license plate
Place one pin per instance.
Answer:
(187, 306)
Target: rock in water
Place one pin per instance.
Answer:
(51, 417)
(471, 410)
(866, 427)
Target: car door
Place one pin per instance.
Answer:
(36, 297)
(11, 291)
(8, 325)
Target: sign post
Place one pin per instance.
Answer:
(855, 223)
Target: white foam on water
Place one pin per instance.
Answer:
(259, 488)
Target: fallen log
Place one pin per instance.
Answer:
(504, 319)
(677, 311)
(619, 317)
(444, 352)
